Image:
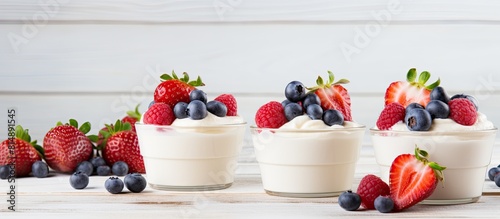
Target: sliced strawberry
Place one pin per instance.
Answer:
(411, 91)
(333, 95)
(413, 178)
(173, 89)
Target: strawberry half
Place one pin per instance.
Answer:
(333, 95)
(25, 152)
(66, 146)
(122, 144)
(174, 89)
(413, 178)
(411, 91)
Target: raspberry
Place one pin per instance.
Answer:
(230, 102)
(270, 115)
(462, 111)
(390, 115)
(370, 188)
(159, 114)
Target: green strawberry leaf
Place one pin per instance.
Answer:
(59, 123)
(93, 138)
(40, 150)
(126, 127)
(118, 125)
(166, 77)
(319, 81)
(85, 128)
(73, 123)
(135, 114)
(411, 75)
(424, 77)
(433, 85)
(331, 77)
(342, 81)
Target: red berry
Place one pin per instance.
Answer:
(159, 114)
(370, 188)
(390, 115)
(270, 115)
(230, 102)
(463, 111)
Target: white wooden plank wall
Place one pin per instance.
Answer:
(93, 60)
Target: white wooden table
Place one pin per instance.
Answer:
(53, 197)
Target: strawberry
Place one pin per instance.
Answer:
(230, 102)
(270, 115)
(390, 115)
(333, 95)
(413, 178)
(20, 151)
(173, 89)
(66, 146)
(411, 91)
(122, 144)
(132, 117)
(370, 188)
(463, 111)
(159, 114)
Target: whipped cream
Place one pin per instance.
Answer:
(482, 123)
(210, 120)
(304, 122)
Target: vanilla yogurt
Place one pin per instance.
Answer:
(192, 155)
(465, 151)
(306, 158)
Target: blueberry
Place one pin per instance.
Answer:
(151, 104)
(197, 110)
(493, 172)
(314, 111)
(413, 106)
(349, 201)
(418, 120)
(311, 98)
(285, 102)
(79, 180)
(180, 110)
(217, 108)
(135, 182)
(40, 169)
(114, 185)
(295, 91)
(293, 110)
(466, 96)
(438, 93)
(85, 167)
(97, 161)
(120, 168)
(198, 95)
(333, 117)
(103, 170)
(383, 204)
(497, 180)
(4, 172)
(438, 109)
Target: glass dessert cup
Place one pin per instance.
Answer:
(465, 154)
(307, 163)
(190, 158)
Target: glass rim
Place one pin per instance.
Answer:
(425, 133)
(355, 128)
(138, 124)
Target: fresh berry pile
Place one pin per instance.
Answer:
(178, 98)
(417, 105)
(328, 101)
(412, 179)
